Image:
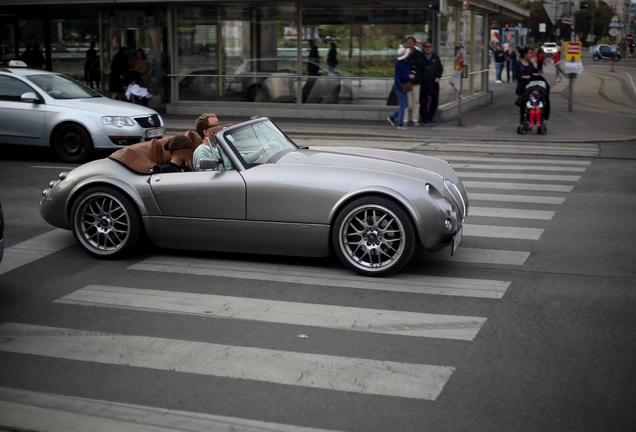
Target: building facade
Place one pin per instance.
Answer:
(328, 59)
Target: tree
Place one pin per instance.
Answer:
(602, 16)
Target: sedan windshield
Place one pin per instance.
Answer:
(62, 87)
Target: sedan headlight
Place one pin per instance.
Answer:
(117, 121)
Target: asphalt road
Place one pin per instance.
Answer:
(548, 346)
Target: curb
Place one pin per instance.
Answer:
(314, 134)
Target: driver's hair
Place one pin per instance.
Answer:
(202, 123)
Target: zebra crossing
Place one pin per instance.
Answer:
(361, 376)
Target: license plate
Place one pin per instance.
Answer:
(456, 240)
(153, 133)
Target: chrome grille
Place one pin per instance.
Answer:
(147, 122)
(457, 196)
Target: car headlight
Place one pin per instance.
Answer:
(117, 121)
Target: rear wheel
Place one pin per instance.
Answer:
(373, 236)
(105, 223)
(72, 143)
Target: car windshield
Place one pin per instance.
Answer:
(62, 87)
(260, 143)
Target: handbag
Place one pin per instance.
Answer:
(519, 102)
(407, 87)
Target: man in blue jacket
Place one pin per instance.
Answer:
(432, 71)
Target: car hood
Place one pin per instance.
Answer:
(106, 106)
(401, 163)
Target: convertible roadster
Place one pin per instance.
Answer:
(371, 207)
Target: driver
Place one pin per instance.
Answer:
(207, 125)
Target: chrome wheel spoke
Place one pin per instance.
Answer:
(104, 223)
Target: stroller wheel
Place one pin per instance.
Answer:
(519, 129)
(523, 129)
(539, 129)
(544, 129)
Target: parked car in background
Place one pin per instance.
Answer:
(604, 52)
(1, 233)
(549, 48)
(372, 207)
(46, 109)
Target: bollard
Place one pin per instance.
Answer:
(571, 77)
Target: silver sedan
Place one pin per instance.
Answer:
(46, 109)
(372, 207)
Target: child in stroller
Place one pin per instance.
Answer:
(535, 108)
(540, 87)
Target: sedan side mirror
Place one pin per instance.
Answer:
(209, 164)
(29, 97)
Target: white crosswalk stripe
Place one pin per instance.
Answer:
(400, 282)
(35, 248)
(530, 199)
(587, 150)
(28, 410)
(299, 314)
(548, 177)
(511, 213)
(459, 166)
(281, 367)
(498, 160)
(518, 186)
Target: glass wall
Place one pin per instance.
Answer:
(478, 53)
(71, 44)
(347, 51)
(448, 39)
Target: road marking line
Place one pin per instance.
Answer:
(518, 186)
(525, 149)
(515, 198)
(517, 176)
(502, 232)
(517, 167)
(35, 248)
(510, 213)
(306, 275)
(281, 367)
(28, 410)
(480, 256)
(510, 160)
(281, 312)
(632, 81)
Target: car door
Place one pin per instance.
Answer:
(211, 195)
(20, 122)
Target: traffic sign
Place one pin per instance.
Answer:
(629, 38)
(613, 32)
(572, 51)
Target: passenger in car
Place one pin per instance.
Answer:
(178, 148)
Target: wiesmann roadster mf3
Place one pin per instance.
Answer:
(371, 207)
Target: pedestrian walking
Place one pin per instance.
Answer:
(526, 67)
(401, 86)
(511, 62)
(556, 59)
(500, 60)
(91, 66)
(540, 59)
(432, 71)
(332, 57)
(416, 62)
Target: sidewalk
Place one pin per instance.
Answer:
(602, 113)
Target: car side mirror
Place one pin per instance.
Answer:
(209, 164)
(29, 97)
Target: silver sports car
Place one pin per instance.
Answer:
(371, 207)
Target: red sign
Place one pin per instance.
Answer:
(574, 49)
(629, 38)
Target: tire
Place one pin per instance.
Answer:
(519, 129)
(373, 236)
(105, 223)
(523, 130)
(544, 130)
(72, 143)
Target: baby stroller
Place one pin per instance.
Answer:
(539, 84)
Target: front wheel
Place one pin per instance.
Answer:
(72, 143)
(105, 223)
(373, 236)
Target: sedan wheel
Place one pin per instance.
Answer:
(105, 223)
(373, 236)
(72, 143)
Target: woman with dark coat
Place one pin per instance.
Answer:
(118, 68)
(526, 67)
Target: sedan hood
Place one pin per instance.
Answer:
(402, 163)
(106, 106)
